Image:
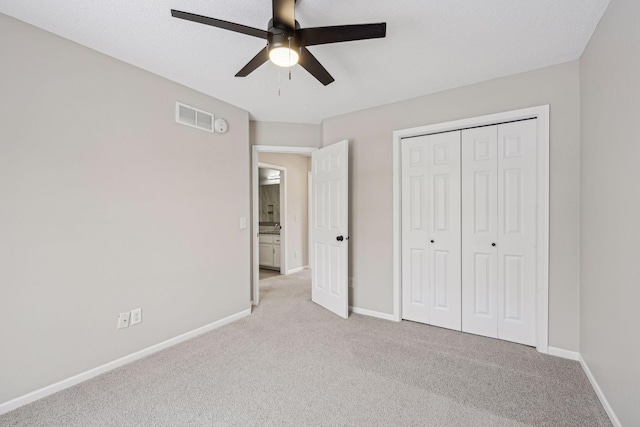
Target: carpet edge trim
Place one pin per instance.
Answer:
(38, 394)
(596, 387)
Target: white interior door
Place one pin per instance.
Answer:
(444, 244)
(415, 230)
(517, 232)
(431, 278)
(499, 231)
(480, 231)
(330, 228)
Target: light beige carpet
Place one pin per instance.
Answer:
(265, 273)
(293, 363)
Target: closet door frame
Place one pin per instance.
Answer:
(541, 113)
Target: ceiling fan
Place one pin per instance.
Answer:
(287, 42)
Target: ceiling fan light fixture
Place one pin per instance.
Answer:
(283, 56)
(286, 42)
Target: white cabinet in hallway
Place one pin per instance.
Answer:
(276, 251)
(265, 252)
(269, 250)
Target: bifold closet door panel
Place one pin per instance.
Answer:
(445, 231)
(517, 231)
(415, 230)
(431, 277)
(480, 231)
(499, 231)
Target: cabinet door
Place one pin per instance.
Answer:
(276, 255)
(265, 253)
(479, 231)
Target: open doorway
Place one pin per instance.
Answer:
(272, 213)
(280, 233)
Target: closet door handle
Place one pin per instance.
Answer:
(493, 244)
(433, 241)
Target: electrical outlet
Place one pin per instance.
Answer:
(123, 320)
(136, 316)
(296, 253)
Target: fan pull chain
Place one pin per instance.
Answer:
(289, 58)
(278, 82)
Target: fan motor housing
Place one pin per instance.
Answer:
(282, 40)
(281, 30)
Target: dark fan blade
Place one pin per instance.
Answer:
(341, 33)
(284, 16)
(311, 64)
(220, 24)
(258, 60)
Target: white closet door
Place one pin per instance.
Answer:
(415, 230)
(499, 231)
(431, 230)
(444, 224)
(517, 231)
(480, 231)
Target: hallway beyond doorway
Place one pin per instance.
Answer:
(266, 273)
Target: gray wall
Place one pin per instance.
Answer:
(108, 205)
(370, 133)
(296, 232)
(285, 134)
(610, 208)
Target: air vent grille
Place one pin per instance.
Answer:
(191, 116)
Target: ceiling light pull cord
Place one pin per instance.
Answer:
(289, 58)
(278, 82)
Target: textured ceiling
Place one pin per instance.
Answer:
(431, 45)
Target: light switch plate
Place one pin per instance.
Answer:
(243, 222)
(123, 320)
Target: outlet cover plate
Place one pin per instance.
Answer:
(136, 316)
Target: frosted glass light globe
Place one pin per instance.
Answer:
(283, 56)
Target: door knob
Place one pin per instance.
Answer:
(493, 244)
(339, 238)
(433, 241)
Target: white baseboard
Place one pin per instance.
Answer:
(605, 403)
(561, 352)
(295, 270)
(83, 376)
(365, 312)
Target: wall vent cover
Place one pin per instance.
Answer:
(191, 116)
